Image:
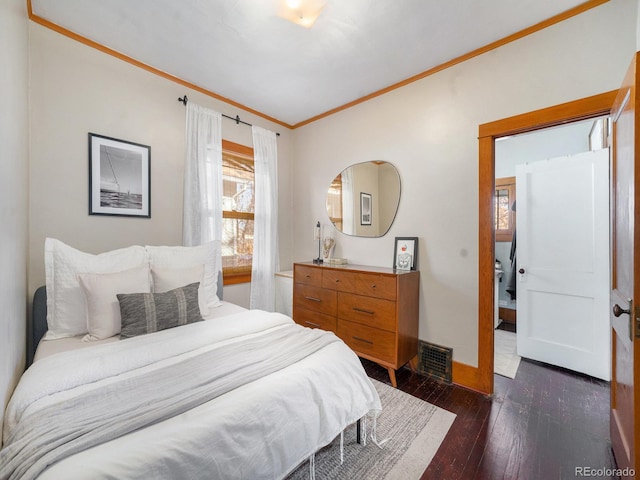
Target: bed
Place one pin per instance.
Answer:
(242, 394)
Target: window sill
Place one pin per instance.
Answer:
(233, 278)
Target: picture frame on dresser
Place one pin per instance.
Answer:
(119, 177)
(405, 253)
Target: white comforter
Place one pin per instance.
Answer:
(260, 430)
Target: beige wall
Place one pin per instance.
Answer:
(75, 90)
(429, 131)
(637, 29)
(389, 193)
(14, 79)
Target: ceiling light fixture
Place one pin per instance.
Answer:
(301, 12)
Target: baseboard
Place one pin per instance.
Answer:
(469, 377)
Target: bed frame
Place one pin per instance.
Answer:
(37, 324)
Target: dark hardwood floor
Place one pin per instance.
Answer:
(507, 326)
(539, 426)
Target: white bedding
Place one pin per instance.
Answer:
(263, 429)
(49, 347)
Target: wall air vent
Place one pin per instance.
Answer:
(435, 361)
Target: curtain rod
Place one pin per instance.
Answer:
(184, 101)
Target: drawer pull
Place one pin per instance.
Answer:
(313, 299)
(308, 276)
(363, 340)
(337, 280)
(373, 286)
(312, 324)
(360, 310)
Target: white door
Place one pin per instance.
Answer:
(562, 256)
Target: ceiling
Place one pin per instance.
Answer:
(242, 50)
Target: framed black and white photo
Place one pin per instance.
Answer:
(365, 208)
(119, 177)
(405, 253)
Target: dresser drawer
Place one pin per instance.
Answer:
(369, 311)
(311, 319)
(371, 285)
(341, 281)
(379, 286)
(315, 298)
(373, 342)
(307, 275)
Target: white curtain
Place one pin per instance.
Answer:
(349, 205)
(202, 220)
(265, 229)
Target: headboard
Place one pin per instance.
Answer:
(37, 326)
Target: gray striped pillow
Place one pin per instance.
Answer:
(151, 312)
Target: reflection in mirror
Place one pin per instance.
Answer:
(505, 215)
(364, 198)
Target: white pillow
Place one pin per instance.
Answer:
(163, 259)
(165, 279)
(103, 308)
(66, 305)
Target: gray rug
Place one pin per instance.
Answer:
(415, 430)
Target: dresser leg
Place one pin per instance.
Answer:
(392, 377)
(413, 364)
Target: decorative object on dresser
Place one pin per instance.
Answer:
(374, 310)
(328, 244)
(405, 253)
(337, 261)
(317, 233)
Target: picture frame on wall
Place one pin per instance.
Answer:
(405, 253)
(119, 177)
(365, 208)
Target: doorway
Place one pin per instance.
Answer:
(587, 108)
(562, 299)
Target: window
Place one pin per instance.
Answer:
(238, 182)
(505, 215)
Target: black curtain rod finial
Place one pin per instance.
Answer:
(183, 100)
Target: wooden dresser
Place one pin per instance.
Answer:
(373, 309)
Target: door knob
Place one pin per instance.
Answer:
(521, 271)
(617, 310)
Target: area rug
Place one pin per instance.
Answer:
(505, 359)
(414, 429)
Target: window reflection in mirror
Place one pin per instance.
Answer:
(363, 199)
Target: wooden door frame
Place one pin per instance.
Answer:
(582, 109)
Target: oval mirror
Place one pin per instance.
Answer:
(363, 199)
